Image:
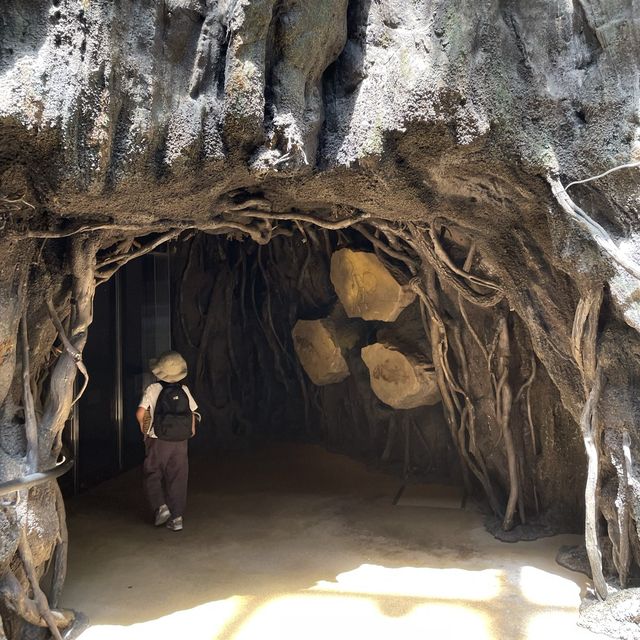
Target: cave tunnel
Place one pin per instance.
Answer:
(397, 244)
(323, 446)
(232, 307)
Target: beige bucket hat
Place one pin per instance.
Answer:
(169, 367)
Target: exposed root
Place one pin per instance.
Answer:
(444, 257)
(628, 165)
(60, 553)
(14, 204)
(70, 349)
(471, 330)
(30, 422)
(623, 555)
(60, 397)
(583, 337)
(53, 621)
(596, 231)
(524, 391)
(449, 388)
(590, 433)
(503, 414)
(392, 253)
(301, 217)
(421, 242)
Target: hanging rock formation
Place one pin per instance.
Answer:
(365, 287)
(318, 346)
(400, 380)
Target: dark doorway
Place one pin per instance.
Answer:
(132, 323)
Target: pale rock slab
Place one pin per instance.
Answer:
(365, 287)
(400, 380)
(318, 347)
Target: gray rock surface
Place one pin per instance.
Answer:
(164, 115)
(618, 617)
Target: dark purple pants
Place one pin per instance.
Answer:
(166, 470)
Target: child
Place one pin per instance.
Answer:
(170, 421)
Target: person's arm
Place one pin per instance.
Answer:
(193, 405)
(140, 411)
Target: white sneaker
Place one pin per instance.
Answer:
(162, 515)
(175, 524)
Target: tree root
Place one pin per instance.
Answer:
(444, 257)
(30, 422)
(584, 343)
(71, 350)
(53, 620)
(503, 414)
(120, 259)
(400, 256)
(524, 391)
(598, 234)
(436, 332)
(60, 397)
(60, 553)
(428, 253)
(16, 599)
(590, 433)
(301, 217)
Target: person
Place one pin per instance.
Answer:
(172, 412)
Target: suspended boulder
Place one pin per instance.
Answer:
(400, 380)
(317, 344)
(365, 287)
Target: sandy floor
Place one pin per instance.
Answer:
(293, 543)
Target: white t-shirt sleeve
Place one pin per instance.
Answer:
(150, 396)
(145, 401)
(193, 405)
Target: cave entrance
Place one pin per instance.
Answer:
(292, 365)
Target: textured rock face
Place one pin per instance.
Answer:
(365, 287)
(143, 116)
(400, 380)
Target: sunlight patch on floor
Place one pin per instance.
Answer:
(378, 603)
(200, 623)
(326, 617)
(423, 582)
(544, 589)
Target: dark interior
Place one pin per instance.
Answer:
(229, 307)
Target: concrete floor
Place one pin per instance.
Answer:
(292, 542)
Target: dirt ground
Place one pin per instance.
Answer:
(293, 542)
